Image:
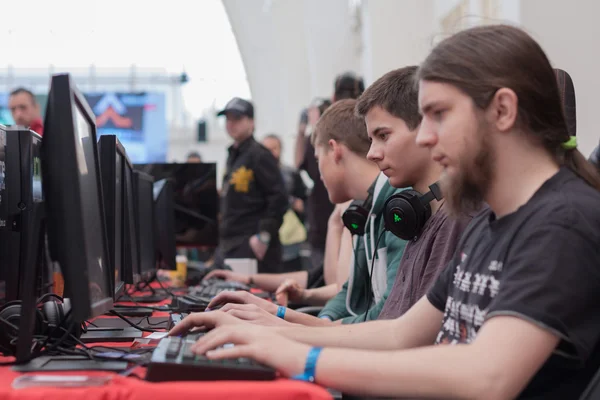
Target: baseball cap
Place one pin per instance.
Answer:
(349, 83)
(239, 106)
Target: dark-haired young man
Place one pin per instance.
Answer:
(25, 110)
(515, 314)
(390, 110)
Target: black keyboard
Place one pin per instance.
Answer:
(176, 318)
(210, 291)
(172, 360)
(212, 287)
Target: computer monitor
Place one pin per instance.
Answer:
(3, 212)
(112, 155)
(164, 226)
(144, 205)
(20, 188)
(74, 205)
(196, 202)
(130, 235)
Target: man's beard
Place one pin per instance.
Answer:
(464, 191)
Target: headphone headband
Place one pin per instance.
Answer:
(435, 193)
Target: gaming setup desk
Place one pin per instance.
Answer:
(77, 205)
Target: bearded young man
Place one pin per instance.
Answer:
(515, 314)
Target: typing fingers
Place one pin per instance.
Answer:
(239, 351)
(212, 274)
(226, 297)
(243, 315)
(218, 337)
(241, 307)
(195, 320)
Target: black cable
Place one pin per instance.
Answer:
(45, 350)
(370, 293)
(118, 314)
(57, 327)
(166, 289)
(89, 352)
(147, 319)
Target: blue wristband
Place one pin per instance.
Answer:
(281, 312)
(311, 364)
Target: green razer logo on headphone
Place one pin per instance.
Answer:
(354, 226)
(397, 218)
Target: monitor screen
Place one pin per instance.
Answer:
(132, 265)
(164, 225)
(195, 199)
(145, 227)
(84, 149)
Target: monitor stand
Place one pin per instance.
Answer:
(155, 298)
(69, 363)
(157, 295)
(111, 335)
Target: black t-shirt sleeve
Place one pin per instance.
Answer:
(552, 278)
(438, 294)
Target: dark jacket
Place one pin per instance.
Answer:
(254, 197)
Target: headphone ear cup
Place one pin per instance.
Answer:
(11, 312)
(405, 215)
(76, 328)
(355, 219)
(53, 315)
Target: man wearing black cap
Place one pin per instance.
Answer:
(254, 198)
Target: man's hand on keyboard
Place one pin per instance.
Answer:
(254, 314)
(242, 297)
(259, 343)
(205, 320)
(228, 276)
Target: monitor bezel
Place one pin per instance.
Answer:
(60, 117)
(114, 149)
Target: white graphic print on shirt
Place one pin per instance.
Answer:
(468, 301)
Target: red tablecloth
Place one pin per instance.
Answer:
(121, 388)
(131, 388)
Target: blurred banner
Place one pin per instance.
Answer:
(137, 119)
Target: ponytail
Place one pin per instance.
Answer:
(582, 167)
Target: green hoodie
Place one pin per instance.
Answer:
(350, 304)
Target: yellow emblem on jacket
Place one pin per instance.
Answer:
(241, 179)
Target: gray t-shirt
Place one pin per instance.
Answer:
(423, 260)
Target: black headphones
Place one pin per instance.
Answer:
(47, 320)
(407, 212)
(356, 216)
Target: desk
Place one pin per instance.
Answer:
(131, 388)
